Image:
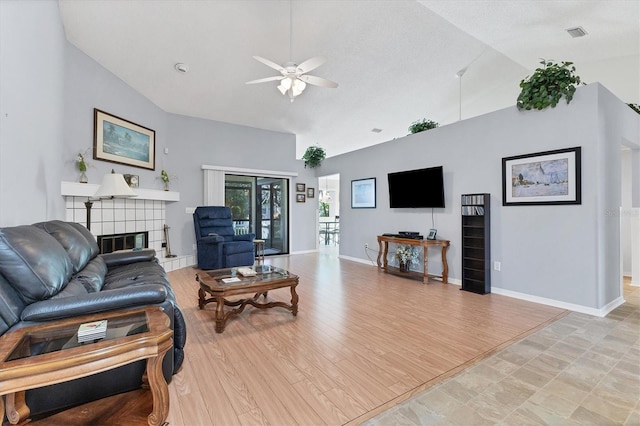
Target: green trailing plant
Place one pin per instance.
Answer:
(313, 156)
(547, 85)
(422, 125)
(635, 107)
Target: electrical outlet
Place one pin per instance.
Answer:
(366, 246)
(497, 266)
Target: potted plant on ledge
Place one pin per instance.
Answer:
(313, 156)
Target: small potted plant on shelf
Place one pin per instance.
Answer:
(547, 85)
(164, 176)
(406, 256)
(81, 165)
(422, 125)
(313, 156)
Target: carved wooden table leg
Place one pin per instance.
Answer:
(201, 298)
(159, 388)
(294, 301)
(17, 409)
(445, 265)
(425, 256)
(379, 253)
(220, 319)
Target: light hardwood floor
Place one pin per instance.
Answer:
(362, 342)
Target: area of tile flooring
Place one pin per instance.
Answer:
(580, 370)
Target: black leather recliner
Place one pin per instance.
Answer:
(53, 270)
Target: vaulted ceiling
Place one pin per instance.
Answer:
(394, 60)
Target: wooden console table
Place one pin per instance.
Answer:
(383, 250)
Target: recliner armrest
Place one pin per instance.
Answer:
(244, 237)
(90, 303)
(211, 239)
(124, 257)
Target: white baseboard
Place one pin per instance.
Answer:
(299, 252)
(602, 312)
(357, 259)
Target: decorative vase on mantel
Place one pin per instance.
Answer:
(166, 186)
(83, 177)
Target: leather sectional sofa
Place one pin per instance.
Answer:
(53, 270)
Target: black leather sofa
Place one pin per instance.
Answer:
(53, 270)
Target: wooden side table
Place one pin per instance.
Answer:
(259, 244)
(131, 336)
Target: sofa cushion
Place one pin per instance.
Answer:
(92, 276)
(76, 245)
(33, 262)
(93, 244)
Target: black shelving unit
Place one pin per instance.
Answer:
(476, 243)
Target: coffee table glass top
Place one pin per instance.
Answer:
(231, 278)
(57, 338)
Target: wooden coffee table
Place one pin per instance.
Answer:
(267, 278)
(50, 353)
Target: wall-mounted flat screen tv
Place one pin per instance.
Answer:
(416, 188)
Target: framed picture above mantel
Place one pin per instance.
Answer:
(541, 178)
(123, 142)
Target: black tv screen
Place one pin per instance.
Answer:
(416, 188)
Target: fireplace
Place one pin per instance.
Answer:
(129, 240)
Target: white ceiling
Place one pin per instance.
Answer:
(395, 60)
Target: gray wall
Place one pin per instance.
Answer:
(564, 253)
(194, 142)
(48, 90)
(32, 150)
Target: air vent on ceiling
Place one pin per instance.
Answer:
(376, 130)
(576, 32)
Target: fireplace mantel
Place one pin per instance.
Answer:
(75, 189)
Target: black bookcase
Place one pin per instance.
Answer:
(476, 243)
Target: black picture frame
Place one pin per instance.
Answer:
(543, 178)
(363, 193)
(300, 187)
(121, 141)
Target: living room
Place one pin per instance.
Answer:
(565, 256)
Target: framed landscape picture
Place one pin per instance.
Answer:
(550, 177)
(120, 141)
(363, 193)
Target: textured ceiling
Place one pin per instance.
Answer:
(395, 61)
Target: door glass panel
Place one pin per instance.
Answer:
(260, 205)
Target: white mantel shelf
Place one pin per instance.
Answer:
(75, 189)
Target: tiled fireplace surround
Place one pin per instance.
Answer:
(143, 213)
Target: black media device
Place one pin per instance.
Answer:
(416, 188)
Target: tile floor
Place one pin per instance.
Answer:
(580, 370)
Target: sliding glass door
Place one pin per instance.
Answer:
(260, 205)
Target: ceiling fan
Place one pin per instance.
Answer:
(294, 78)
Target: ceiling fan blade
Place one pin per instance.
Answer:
(311, 64)
(270, 64)
(264, 80)
(318, 81)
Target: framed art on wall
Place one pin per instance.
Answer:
(550, 177)
(363, 193)
(300, 187)
(120, 141)
(300, 198)
(311, 192)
